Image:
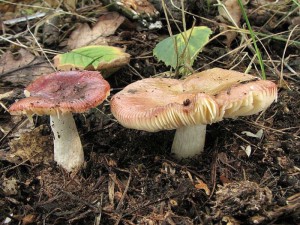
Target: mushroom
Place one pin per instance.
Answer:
(59, 95)
(155, 104)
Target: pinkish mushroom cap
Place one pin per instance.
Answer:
(62, 92)
(188, 105)
(59, 95)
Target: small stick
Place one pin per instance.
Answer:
(74, 197)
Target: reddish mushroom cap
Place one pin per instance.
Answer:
(155, 104)
(61, 92)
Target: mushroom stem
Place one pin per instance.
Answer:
(189, 141)
(68, 151)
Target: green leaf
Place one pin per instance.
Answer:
(183, 48)
(107, 59)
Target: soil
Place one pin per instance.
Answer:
(130, 176)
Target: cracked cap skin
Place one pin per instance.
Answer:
(155, 104)
(63, 92)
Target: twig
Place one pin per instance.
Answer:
(120, 204)
(283, 56)
(243, 139)
(213, 172)
(24, 18)
(274, 215)
(20, 123)
(98, 217)
(124, 194)
(135, 71)
(49, 51)
(268, 128)
(74, 197)
(80, 216)
(22, 67)
(42, 50)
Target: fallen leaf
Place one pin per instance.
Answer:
(21, 67)
(111, 188)
(10, 186)
(247, 150)
(228, 220)
(224, 179)
(6, 95)
(3, 96)
(69, 4)
(258, 134)
(8, 219)
(15, 59)
(28, 219)
(173, 202)
(34, 146)
(138, 9)
(202, 186)
(167, 168)
(234, 16)
(97, 35)
(107, 59)
(118, 195)
(14, 9)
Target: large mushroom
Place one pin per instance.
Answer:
(59, 95)
(155, 104)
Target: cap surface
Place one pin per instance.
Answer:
(61, 92)
(155, 104)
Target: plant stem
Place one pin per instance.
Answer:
(262, 67)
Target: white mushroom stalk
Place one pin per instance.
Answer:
(189, 141)
(68, 151)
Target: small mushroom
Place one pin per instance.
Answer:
(155, 104)
(59, 95)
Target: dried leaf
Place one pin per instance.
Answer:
(234, 16)
(15, 59)
(10, 186)
(202, 186)
(106, 26)
(167, 168)
(6, 95)
(111, 188)
(34, 146)
(247, 150)
(139, 9)
(13, 63)
(173, 202)
(224, 179)
(258, 134)
(69, 4)
(28, 219)
(228, 220)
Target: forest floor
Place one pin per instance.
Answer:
(130, 176)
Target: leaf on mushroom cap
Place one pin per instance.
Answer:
(61, 92)
(106, 59)
(155, 104)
